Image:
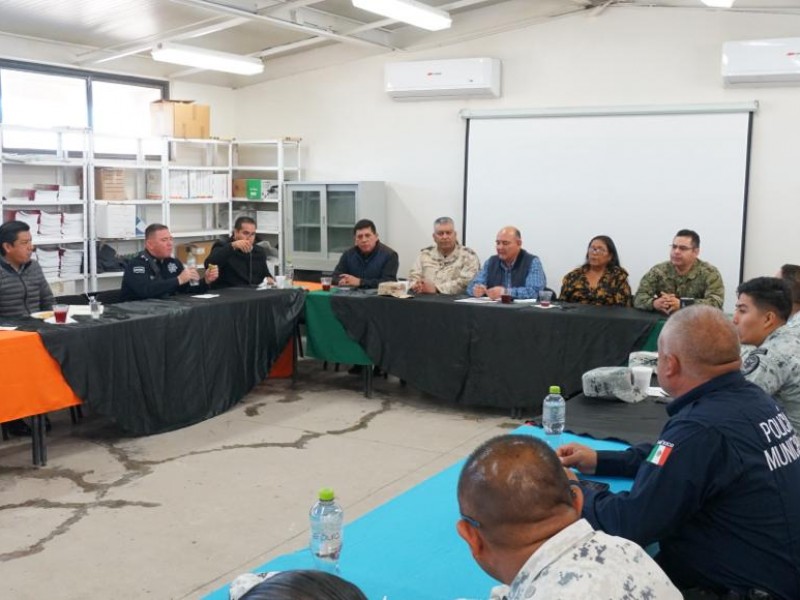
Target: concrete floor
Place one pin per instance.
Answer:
(179, 514)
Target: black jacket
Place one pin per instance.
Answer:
(379, 265)
(237, 268)
(149, 277)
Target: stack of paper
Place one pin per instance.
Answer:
(31, 217)
(69, 193)
(71, 259)
(50, 224)
(49, 260)
(72, 225)
(45, 192)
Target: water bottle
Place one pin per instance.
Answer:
(289, 274)
(94, 307)
(191, 263)
(554, 416)
(327, 529)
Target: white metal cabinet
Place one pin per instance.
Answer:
(319, 219)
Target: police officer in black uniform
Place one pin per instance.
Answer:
(720, 490)
(154, 273)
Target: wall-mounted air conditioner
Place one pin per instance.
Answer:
(453, 78)
(775, 61)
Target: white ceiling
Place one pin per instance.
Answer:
(117, 35)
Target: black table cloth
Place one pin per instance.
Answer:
(614, 419)
(490, 354)
(158, 365)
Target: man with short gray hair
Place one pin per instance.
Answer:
(446, 267)
(720, 489)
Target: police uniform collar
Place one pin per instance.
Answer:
(726, 379)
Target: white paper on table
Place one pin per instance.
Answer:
(481, 300)
(79, 309)
(657, 392)
(205, 296)
(7, 327)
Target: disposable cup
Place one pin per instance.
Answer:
(280, 281)
(60, 312)
(642, 377)
(545, 296)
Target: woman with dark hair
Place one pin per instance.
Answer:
(303, 585)
(600, 280)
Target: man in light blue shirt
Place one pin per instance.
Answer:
(512, 270)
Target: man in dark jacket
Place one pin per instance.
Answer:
(241, 262)
(23, 288)
(369, 262)
(720, 490)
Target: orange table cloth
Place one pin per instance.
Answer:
(31, 382)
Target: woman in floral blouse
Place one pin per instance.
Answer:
(600, 280)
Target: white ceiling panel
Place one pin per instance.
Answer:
(117, 35)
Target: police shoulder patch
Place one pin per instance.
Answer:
(172, 267)
(137, 270)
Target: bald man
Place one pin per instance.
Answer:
(720, 490)
(520, 516)
(511, 271)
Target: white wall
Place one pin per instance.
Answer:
(627, 55)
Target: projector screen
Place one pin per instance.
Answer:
(638, 177)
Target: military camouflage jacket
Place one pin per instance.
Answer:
(450, 274)
(794, 322)
(775, 367)
(703, 283)
(579, 562)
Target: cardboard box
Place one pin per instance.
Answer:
(180, 118)
(115, 220)
(200, 248)
(109, 184)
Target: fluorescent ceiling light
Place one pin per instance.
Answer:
(409, 11)
(201, 58)
(718, 3)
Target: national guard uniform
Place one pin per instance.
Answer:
(579, 562)
(794, 323)
(149, 277)
(450, 274)
(702, 282)
(719, 492)
(775, 367)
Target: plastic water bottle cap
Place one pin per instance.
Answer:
(326, 494)
(555, 389)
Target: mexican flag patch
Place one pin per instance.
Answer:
(660, 452)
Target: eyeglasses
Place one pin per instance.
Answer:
(593, 250)
(471, 521)
(681, 248)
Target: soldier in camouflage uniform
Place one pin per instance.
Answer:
(520, 515)
(763, 306)
(684, 275)
(447, 267)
